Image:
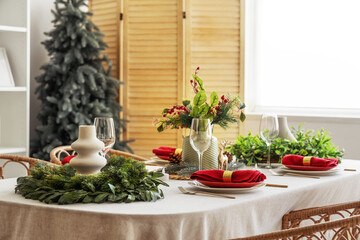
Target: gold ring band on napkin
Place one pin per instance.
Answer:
(227, 176)
(306, 161)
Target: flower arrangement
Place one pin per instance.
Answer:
(220, 111)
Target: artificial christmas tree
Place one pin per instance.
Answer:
(75, 87)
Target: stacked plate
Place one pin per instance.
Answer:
(310, 170)
(226, 186)
(157, 161)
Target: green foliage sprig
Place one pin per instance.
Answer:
(252, 149)
(121, 180)
(220, 111)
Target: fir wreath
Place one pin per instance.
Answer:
(121, 180)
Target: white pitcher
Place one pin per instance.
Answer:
(88, 146)
(284, 131)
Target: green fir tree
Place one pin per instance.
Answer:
(75, 87)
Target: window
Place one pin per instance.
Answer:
(303, 56)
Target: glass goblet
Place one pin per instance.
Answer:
(200, 136)
(269, 130)
(105, 132)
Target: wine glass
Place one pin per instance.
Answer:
(269, 129)
(105, 132)
(200, 136)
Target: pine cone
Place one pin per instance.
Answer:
(175, 158)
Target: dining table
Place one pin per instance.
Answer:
(177, 215)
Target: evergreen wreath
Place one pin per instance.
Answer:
(74, 87)
(121, 180)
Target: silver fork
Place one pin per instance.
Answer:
(183, 190)
(292, 174)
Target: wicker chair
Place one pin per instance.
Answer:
(320, 214)
(58, 153)
(322, 227)
(344, 229)
(26, 162)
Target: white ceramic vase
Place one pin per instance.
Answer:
(210, 158)
(88, 146)
(284, 131)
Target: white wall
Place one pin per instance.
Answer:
(345, 131)
(40, 20)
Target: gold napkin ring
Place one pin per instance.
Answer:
(306, 161)
(227, 176)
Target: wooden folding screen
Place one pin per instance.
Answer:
(213, 44)
(152, 69)
(106, 17)
(159, 45)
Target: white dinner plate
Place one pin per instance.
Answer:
(328, 172)
(154, 168)
(157, 161)
(199, 185)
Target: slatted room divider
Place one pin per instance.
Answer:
(155, 46)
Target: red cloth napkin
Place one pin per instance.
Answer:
(163, 157)
(164, 152)
(236, 177)
(316, 162)
(67, 159)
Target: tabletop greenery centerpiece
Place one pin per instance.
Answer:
(252, 149)
(121, 180)
(221, 111)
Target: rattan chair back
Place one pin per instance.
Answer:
(26, 162)
(320, 214)
(344, 229)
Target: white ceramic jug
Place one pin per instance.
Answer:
(88, 146)
(284, 131)
(210, 159)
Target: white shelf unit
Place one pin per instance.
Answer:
(13, 89)
(15, 101)
(12, 29)
(11, 150)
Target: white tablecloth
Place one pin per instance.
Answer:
(178, 216)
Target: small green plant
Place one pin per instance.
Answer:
(121, 180)
(252, 149)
